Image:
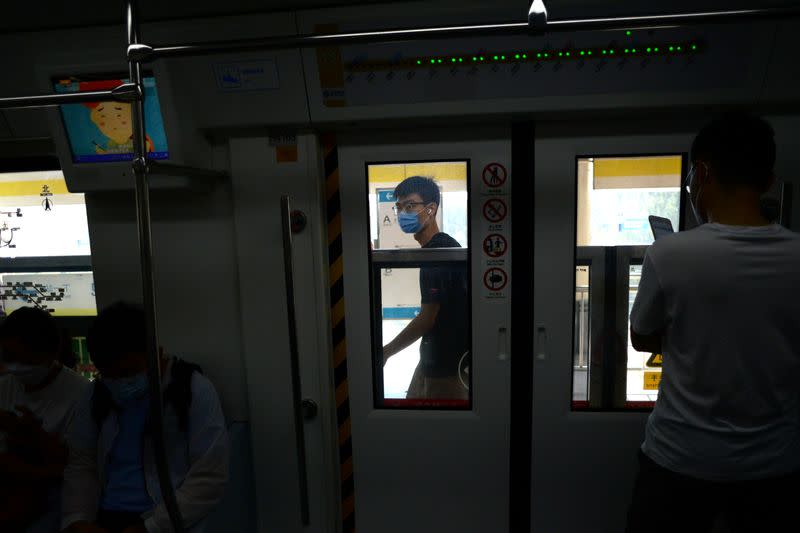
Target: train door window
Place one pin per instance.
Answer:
(419, 232)
(45, 252)
(643, 371)
(615, 197)
(617, 194)
(581, 341)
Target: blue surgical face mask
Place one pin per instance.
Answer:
(409, 222)
(125, 390)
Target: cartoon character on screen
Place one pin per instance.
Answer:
(114, 120)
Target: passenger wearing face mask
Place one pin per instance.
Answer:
(37, 401)
(111, 482)
(721, 302)
(443, 320)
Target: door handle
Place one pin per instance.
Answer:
(502, 343)
(310, 409)
(541, 342)
(294, 355)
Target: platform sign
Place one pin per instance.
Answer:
(656, 360)
(651, 380)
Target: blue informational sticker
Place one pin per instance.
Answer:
(386, 196)
(103, 131)
(242, 76)
(400, 313)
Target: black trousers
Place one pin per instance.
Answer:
(117, 521)
(665, 501)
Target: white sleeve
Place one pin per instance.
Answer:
(648, 315)
(80, 489)
(204, 484)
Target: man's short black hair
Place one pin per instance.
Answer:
(35, 327)
(119, 329)
(740, 148)
(427, 189)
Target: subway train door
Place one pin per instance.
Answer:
(596, 185)
(428, 430)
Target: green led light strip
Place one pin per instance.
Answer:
(533, 56)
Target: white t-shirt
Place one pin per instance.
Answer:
(54, 405)
(728, 301)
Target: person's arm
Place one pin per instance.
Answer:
(646, 343)
(204, 484)
(648, 315)
(81, 487)
(419, 326)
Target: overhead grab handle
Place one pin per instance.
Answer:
(537, 16)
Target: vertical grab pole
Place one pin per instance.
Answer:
(140, 170)
(294, 354)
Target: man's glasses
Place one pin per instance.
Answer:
(406, 207)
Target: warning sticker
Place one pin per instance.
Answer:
(656, 360)
(495, 210)
(494, 175)
(495, 279)
(495, 245)
(651, 380)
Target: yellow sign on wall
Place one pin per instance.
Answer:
(655, 360)
(651, 380)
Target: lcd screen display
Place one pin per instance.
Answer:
(102, 131)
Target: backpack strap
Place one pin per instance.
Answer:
(179, 391)
(101, 403)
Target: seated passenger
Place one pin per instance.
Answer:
(443, 321)
(37, 400)
(722, 304)
(111, 451)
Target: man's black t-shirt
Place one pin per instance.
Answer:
(445, 284)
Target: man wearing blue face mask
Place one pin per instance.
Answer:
(722, 304)
(111, 483)
(37, 401)
(443, 320)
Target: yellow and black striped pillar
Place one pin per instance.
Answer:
(338, 330)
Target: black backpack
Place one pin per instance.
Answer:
(178, 393)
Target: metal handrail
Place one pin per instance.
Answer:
(414, 256)
(138, 52)
(148, 53)
(140, 170)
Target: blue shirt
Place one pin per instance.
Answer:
(125, 488)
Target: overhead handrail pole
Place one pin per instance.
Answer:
(539, 23)
(140, 170)
(152, 52)
(122, 93)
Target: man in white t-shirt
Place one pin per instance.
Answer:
(722, 304)
(37, 400)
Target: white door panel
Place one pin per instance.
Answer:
(432, 470)
(582, 461)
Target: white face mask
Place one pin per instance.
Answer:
(28, 374)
